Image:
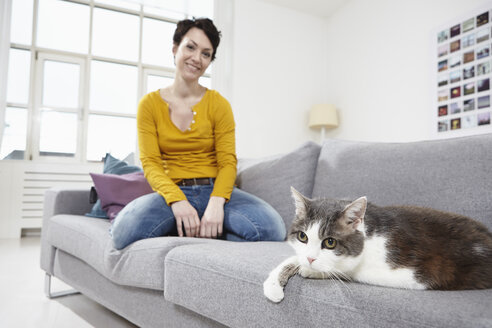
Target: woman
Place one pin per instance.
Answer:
(186, 136)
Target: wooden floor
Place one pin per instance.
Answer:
(22, 300)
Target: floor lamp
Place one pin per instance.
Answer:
(323, 116)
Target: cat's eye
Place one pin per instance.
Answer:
(301, 236)
(330, 243)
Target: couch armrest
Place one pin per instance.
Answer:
(60, 201)
(66, 201)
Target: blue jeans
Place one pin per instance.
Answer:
(246, 217)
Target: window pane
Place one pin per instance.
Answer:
(61, 84)
(18, 76)
(21, 21)
(201, 8)
(109, 134)
(206, 82)
(58, 134)
(115, 35)
(113, 88)
(157, 42)
(63, 25)
(14, 134)
(155, 82)
(120, 4)
(175, 9)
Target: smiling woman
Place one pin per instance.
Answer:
(187, 148)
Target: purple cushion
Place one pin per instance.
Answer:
(115, 191)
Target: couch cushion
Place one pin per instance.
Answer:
(113, 166)
(452, 175)
(115, 191)
(225, 283)
(140, 265)
(272, 178)
(141, 306)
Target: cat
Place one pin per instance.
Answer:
(397, 246)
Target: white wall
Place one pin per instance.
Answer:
(278, 73)
(379, 66)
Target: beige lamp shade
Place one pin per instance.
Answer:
(323, 115)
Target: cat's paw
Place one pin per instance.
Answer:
(272, 290)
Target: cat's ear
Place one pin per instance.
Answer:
(354, 212)
(300, 202)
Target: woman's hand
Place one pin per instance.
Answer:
(213, 218)
(186, 216)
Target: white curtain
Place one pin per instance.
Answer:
(5, 11)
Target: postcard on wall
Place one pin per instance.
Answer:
(461, 75)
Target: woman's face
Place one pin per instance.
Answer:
(193, 55)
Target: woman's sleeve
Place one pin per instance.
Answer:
(150, 154)
(225, 147)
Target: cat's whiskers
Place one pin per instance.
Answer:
(330, 272)
(328, 269)
(340, 277)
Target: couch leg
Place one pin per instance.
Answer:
(51, 295)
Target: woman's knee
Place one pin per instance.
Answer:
(256, 222)
(119, 242)
(274, 229)
(264, 217)
(140, 219)
(278, 233)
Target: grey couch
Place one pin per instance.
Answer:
(185, 282)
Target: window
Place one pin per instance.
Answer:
(59, 90)
(155, 82)
(113, 87)
(115, 35)
(61, 84)
(110, 134)
(14, 141)
(18, 76)
(63, 25)
(58, 133)
(14, 135)
(74, 84)
(157, 53)
(21, 26)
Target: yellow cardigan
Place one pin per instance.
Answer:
(206, 149)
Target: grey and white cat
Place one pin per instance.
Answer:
(398, 246)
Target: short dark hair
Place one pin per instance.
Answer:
(204, 24)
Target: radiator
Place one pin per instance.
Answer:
(22, 189)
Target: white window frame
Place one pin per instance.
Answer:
(152, 71)
(79, 111)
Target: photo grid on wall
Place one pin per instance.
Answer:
(463, 76)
